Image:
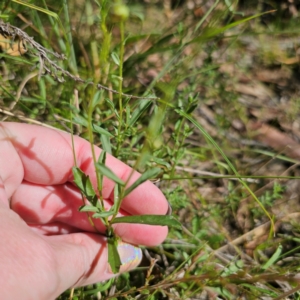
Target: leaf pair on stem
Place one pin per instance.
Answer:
(109, 217)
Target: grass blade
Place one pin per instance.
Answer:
(212, 141)
(273, 258)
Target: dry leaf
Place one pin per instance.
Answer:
(275, 139)
(12, 47)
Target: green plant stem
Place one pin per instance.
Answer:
(176, 151)
(206, 15)
(105, 47)
(122, 49)
(73, 64)
(91, 140)
(75, 164)
(55, 28)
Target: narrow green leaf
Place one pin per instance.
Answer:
(113, 255)
(45, 11)
(145, 176)
(138, 37)
(109, 173)
(80, 120)
(102, 157)
(161, 161)
(105, 144)
(101, 131)
(150, 220)
(212, 7)
(126, 101)
(78, 177)
(128, 114)
(16, 58)
(265, 291)
(273, 258)
(84, 183)
(84, 122)
(104, 214)
(117, 192)
(112, 107)
(115, 58)
(88, 208)
(210, 32)
(100, 287)
(89, 190)
(97, 98)
(139, 111)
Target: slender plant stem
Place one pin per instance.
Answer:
(75, 163)
(105, 47)
(91, 140)
(122, 49)
(70, 39)
(180, 144)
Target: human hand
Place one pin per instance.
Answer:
(47, 246)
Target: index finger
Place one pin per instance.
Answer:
(47, 159)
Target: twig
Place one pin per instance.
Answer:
(22, 118)
(206, 173)
(48, 66)
(21, 87)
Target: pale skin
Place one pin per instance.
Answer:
(46, 245)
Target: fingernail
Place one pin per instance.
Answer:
(169, 211)
(130, 256)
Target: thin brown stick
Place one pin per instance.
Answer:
(47, 65)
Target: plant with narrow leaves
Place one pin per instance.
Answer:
(109, 217)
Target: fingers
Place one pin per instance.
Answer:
(38, 204)
(11, 169)
(29, 260)
(139, 234)
(36, 170)
(54, 210)
(47, 159)
(82, 258)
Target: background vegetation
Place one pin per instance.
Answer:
(220, 117)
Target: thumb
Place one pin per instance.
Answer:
(82, 258)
